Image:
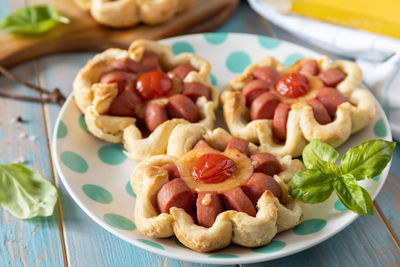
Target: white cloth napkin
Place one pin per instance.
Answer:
(377, 55)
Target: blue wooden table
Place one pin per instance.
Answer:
(71, 238)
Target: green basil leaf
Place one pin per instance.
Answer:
(367, 159)
(311, 186)
(327, 168)
(32, 20)
(317, 151)
(353, 196)
(25, 193)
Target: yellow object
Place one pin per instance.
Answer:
(381, 16)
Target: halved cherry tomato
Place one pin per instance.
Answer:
(212, 168)
(153, 84)
(292, 85)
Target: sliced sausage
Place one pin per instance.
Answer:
(182, 70)
(258, 183)
(309, 68)
(268, 74)
(255, 88)
(148, 62)
(239, 144)
(280, 121)
(177, 194)
(172, 169)
(331, 99)
(321, 115)
(332, 77)
(194, 90)
(209, 205)
(125, 104)
(201, 144)
(236, 199)
(122, 79)
(180, 106)
(263, 107)
(154, 115)
(266, 163)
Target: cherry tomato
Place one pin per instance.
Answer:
(212, 168)
(292, 85)
(153, 84)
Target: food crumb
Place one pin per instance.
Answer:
(22, 135)
(17, 119)
(32, 137)
(20, 160)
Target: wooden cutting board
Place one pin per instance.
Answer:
(83, 33)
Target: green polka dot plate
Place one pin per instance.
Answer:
(96, 173)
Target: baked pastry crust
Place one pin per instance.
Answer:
(230, 226)
(302, 126)
(126, 13)
(94, 99)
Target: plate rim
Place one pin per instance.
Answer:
(207, 260)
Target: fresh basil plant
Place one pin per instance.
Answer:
(321, 177)
(32, 20)
(25, 193)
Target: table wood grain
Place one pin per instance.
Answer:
(71, 238)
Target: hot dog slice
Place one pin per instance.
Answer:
(180, 106)
(332, 77)
(309, 68)
(175, 193)
(125, 104)
(182, 70)
(266, 163)
(263, 107)
(172, 169)
(235, 199)
(194, 90)
(122, 79)
(209, 205)
(280, 121)
(320, 113)
(255, 88)
(154, 115)
(268, 74)
(331, 99)
(258, 183)
(148, 62)
(201, 144)
(239, 144)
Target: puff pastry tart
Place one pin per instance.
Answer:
(138, 96)
(210, 191)
(282, 109)
(125, 13)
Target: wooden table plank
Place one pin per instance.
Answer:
(388, 201)
(366, 242)
(36, 241)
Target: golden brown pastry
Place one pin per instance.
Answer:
(126, 13)
(138, 96)
(283, 109)
(211, 190)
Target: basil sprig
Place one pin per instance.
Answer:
(321, 177)
(32, 20)
(25, 193)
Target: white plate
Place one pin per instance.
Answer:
(96, 173)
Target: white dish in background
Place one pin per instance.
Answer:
(96, 173)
